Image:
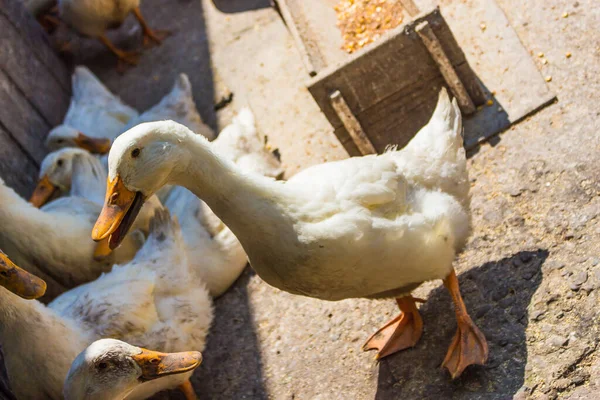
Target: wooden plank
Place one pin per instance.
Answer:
(37, 40)
(410, 7)
(391, 67)
(16, 168)
(305, 42)
(30, 75)
(436, 51)
(398, 118)
(355, 131)
(501, 62)
(21, 120)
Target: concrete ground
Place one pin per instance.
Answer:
(530, 274)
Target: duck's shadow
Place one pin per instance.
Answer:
(497, 295)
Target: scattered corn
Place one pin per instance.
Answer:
(483, 27)
(544, 61)
(540, 54)
(568, 54)
(490, 102)
(565, 15)
(548, 78)
(364, 21)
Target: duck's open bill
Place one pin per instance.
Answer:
(19, 281)
(102, 249)
(43, 192)
(155, 365)
(120, 210)
(93, 145)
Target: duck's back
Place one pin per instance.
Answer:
(372, 225)
(94, 110)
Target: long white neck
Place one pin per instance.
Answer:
(36, 240)
(258, 210)
(39, 346)
(88, 178)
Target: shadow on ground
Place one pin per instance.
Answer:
(497, 295)
(231, 366)
(235, 6)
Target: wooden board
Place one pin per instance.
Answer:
(17, 169)
(501, 64)
(393, 84)
(34, 95)
(19, 118)
(36, 39)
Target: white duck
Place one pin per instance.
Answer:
(151, 301)
(95, 116)
(94, 17)
(217, 257)
(177, 105)
(70, 171)
(78, 173)
(53, 242)
(110, 369)
(376, 226)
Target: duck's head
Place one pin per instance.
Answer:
(67, 136)
(141, 161)
(110, 369)
(19, 281)
(56, 174)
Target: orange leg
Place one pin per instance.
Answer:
(468, 345)
(400, 333)
(188, 391)
(128, 57)
(149, 35)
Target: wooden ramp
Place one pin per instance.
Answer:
(34, 95)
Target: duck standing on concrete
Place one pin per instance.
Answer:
(376, 226)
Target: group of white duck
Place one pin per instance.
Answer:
(180, 215)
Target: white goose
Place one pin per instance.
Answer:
(70, 171)
(110, 369)
(53, 242)
(376, 226)
(95, 116)
(151, 301)
(216, 255)
(177, 105)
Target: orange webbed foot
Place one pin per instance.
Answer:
(468, 347)
(400, 333)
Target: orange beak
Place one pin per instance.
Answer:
(42, 192)
(93, 145)
(19, 281)
(155, 365)
(102, 249)
(118, 214)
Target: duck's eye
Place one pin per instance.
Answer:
(4, 273)
(60, 141)
(60, 162)
(102, 365)
(135, 153)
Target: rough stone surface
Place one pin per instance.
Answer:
(536, 202)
